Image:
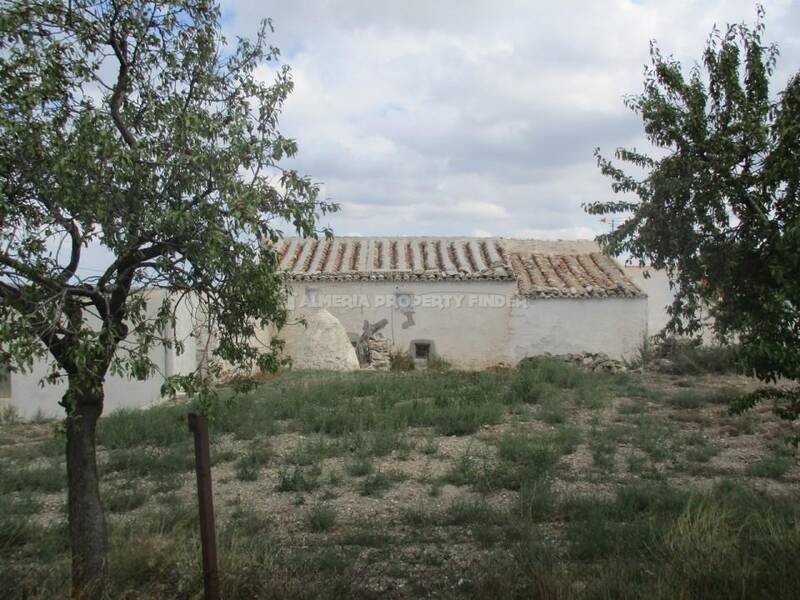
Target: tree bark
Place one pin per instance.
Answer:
(87, 523)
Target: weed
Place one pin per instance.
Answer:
(248, 466)
(603, 445)
(9, 415)
(15, 530)
(631, 408)
(567, 439)
(536, 500)
(127, 498)
(359, 467)
(771, 467)
(375, 484)
(470, 511)
(52, 478)
(430, 447)
(320, 518)
(687, 400)
(699, 450)
(159, 426)
(553, 410)
(401, 361)
(437, 363)
(652, 436)
(417, 517)
(297, 479)
(366, 537)
(537, 455)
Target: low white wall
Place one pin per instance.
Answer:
(31, 398)
(615, 326)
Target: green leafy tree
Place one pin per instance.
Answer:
(135, 127)
(718, 207)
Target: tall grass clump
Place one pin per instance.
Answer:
(694, 358)
(163, 425)
(401, 361)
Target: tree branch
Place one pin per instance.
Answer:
(120, 46)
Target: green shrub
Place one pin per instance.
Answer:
(320, 517)
(297, 479)
(127, 498)
(160, 426)
(696, 359)
(401, 361)
(536, 454)
(52, 478)
(375, 484)
(248, 466)
(471, 511)
(771, 467)
(437, 363)
(359, 467)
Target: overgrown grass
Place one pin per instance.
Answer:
(45, 479)
(539, 496)
(298, 479)
(692, 359)
(257, 456)
(320, 518)
(124, 499)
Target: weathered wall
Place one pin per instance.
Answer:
(615, 326)
(466, 321)
(30, 398)
(475, 325)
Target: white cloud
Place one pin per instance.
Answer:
(453, 117)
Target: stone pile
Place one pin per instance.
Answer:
(379, 353)
(592, 361)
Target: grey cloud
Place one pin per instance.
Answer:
(419, 116)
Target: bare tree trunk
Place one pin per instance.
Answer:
(87, 523)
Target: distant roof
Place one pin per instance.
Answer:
(542, 269)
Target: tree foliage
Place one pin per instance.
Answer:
(717, 208)
(132, 126)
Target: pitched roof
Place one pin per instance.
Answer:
(542, 269)
(395, 259)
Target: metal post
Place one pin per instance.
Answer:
(198, 425)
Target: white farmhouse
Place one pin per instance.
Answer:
(475, 302)
(29, 397)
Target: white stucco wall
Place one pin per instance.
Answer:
(659, 295)
(476, 324)
(30, 398)
(615, 326)
(467, 322)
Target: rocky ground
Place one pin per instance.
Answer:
(424, 485)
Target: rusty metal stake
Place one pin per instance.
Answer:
(198, 425)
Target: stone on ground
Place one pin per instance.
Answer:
(322, 344)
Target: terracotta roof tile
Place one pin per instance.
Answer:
(542, 269)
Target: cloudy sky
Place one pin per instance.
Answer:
(477, 117)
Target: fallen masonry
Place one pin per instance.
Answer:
(591, 361)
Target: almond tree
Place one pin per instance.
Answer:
(719, 208)
(135, 128)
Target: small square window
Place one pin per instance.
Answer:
(422, 351)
